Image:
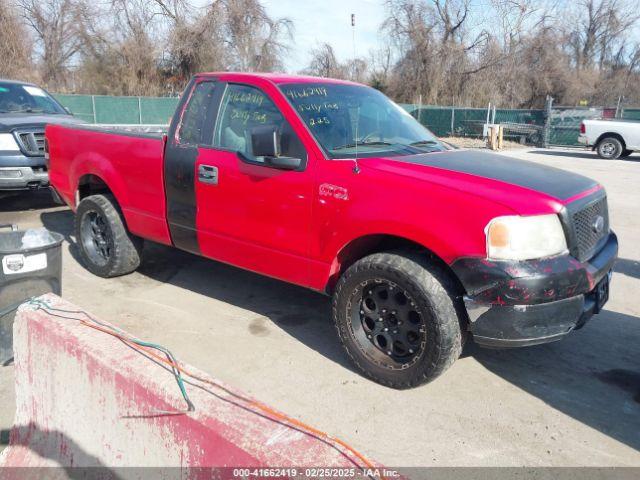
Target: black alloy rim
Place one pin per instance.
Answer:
(96, 238)
(388, 324)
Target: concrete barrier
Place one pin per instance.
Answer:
(86, 399)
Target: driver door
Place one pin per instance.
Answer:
(249, 214)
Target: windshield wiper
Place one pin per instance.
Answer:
(24, 110)
(421, 143)
(364, 144)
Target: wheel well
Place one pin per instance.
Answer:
(612, 135)
(91, 185)
(367, 245)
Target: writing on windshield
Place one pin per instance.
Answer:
(349, 120)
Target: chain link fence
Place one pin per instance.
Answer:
(102, 109)
(553, 126)
(524, 126)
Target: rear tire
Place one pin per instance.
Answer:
(609, 148)
(399, 319)
(106, 248)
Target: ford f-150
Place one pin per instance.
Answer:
(330, 185)
(25, 109)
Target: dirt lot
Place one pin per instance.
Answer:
(473, 142)
(575, 402)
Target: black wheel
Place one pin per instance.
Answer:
(609, 148)
(106, 247)
(626, 153)
(398, 318)
(535, 139)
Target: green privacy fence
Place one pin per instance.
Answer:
(631, 113)
(120, 110)
(555, 126)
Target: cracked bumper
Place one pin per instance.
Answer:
(512, 304)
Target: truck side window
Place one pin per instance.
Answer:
(244, 108)
(193, 119)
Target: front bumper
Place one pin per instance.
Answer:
(23, 178)
(512, 304)
(18, 172)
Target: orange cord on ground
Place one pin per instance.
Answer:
(261, 406)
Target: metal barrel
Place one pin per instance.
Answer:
(31, 265)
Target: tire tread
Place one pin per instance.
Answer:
(127, 247)
(450, 331)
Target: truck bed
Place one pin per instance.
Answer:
(155, 131)
(128, 160)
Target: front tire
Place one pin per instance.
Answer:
(609, 148)
(398, 318)
(106, 248)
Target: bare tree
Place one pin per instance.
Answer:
(380, 65)
(599, 29)
(324, 63)
(226, 35)
(15, 45)
(452, 15)
(57, 25)
(253, 40)
(437, 53)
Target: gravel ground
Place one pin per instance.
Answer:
(471, 142)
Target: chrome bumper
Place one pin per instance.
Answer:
(22, 178)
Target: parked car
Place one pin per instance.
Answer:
(611, 138)
(329, 185)
(25, 109)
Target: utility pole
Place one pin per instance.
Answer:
(353, 41)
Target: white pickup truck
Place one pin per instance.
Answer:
(611, 139)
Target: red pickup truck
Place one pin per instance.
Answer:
(330, 185)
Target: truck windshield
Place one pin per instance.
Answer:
(18, 98)
(353, 120)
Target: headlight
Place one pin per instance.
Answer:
(8, 143)
(524, 238)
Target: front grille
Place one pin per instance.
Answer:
(32, 142)
(588, 238)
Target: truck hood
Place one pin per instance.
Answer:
(510, 181)
(10, 121)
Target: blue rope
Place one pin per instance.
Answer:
(40, 305)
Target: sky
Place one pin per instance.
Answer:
(316, 22)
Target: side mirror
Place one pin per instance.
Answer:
(265, 142)
(68, 110)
